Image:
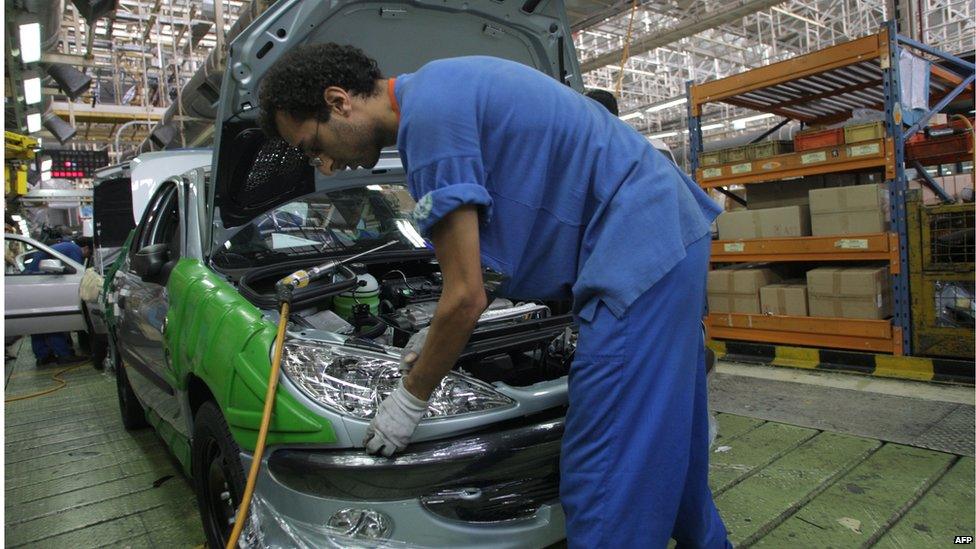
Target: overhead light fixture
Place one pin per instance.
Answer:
(710, 127)
(61, 130)
(667, 105)
(34, 122)
(163, 134)
(632, 116)
(71, 81)
(30, 42)
(662, 135)
(46, 164)
(32, 89)
(740, 123)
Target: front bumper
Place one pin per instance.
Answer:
(497, 489)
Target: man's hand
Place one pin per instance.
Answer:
(395, 421)
(412, 350)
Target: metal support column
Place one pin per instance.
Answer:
(694, 130)
(897, 186)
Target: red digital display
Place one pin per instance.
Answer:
(69, 164)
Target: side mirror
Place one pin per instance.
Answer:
(148, 262)
(52, 266)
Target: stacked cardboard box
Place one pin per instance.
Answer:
(789, 192)
(789, 298)
(849, 292)
(767, 223)
(736, 290)
(849, 210)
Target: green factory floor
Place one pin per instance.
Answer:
(75, 478)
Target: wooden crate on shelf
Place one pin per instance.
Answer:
(856, 133)
(712, 158)
(818, 139)
(766, 149)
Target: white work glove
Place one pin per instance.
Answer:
(395, 421)
(412, 350)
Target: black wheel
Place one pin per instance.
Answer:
(133, 414)
(218, 477)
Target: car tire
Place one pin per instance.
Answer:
(218, 476)
(133, 414)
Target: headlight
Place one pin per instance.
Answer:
(354, 383)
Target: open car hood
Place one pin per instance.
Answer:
(402, 35)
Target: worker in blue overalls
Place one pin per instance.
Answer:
(55, 347)
(519, 173)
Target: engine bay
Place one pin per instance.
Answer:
(384, 303)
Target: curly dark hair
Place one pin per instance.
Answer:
(604, 98)
(296, 81)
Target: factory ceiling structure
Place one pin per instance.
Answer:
(141, 56)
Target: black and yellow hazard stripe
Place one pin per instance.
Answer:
(880, 365)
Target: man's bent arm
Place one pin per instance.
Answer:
(462, 301)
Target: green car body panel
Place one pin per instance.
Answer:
(216, 335)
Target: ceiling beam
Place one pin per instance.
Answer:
(106, 113)
(66, 59)
(688, 27)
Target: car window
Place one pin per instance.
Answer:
(20, 258)
(340, 221)
(161, 221)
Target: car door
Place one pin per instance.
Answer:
(143, 305)
(38, 302)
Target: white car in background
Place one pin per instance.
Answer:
(120, 194)
(44, 300)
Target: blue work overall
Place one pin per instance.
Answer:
(575, 204)
(54, 344)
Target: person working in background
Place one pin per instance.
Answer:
(55, 347)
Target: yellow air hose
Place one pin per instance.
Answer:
(252, 476)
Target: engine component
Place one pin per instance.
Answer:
(401, 291)
(418, 315)
(367, 292)
(329, 321)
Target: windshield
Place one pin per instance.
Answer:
(337, 222)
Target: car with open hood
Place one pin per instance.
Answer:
(192, 311)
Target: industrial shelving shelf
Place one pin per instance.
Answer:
(879, 336)
(841, 158)
(859, 247)
(823, 88)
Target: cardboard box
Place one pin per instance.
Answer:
(737, 290)
(776, 194)
(849, 292)
(849, 210)
(784, 299)
(768, 223)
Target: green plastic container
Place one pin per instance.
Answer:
(368, 293)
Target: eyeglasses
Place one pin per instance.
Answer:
(313, 157)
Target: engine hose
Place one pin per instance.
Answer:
(252, 476)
